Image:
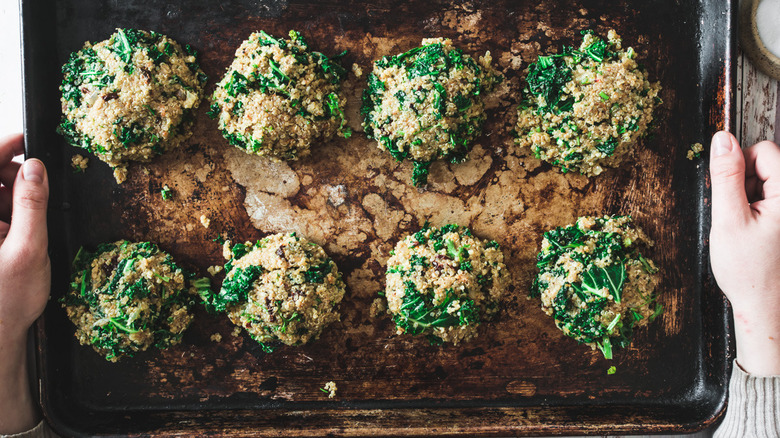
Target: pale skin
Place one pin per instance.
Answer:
(25, 278)
(744, 243)
(745, 246)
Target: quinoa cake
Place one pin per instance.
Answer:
(278, 97)
(283, 288)
(595, 282)
(443, 282)
(428, 103)
(584, 109)
(127, 297)
(130, 97)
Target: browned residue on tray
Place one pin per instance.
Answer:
(356, 201)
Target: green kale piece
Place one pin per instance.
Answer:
(484, 281)
(561, 239)
(166, 193)
(82, 259)
(238, 140)
(430, 60)
(492, 244)
(129, 135)
(462, 103)
(122, 46)
(372, 97)
(610, 278)
(330, 66)
(549, 74)
(546, 79)
(276, 71)
(158, 56)
(107, 340)
(86, 296)
(268, 40)
(418, 314)
(239, 250)
(235, 288)
(317, 273)
(286, 321)
(145, 249)
(237, 84)
(83, 68)
(266, 347)
(418, 262)
(608, 146)
(203, 287)
(67, 129)
(420, 173)
(137, 290)
(333, 110)
(598, 50)
(420, 236)
(121, 325)
(127, 41)
(267, 84)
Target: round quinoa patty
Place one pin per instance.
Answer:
(443, 282)
(278, 97)
(427, 104)
(282, 288)
(130, 98)
(127, 297)
(585, 108)
(595, 282)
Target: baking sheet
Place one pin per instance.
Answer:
(520, 376)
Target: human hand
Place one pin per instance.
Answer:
(25, 277)
(25, 274)
(745, 246)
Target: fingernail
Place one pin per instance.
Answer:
(721, 144)
(33, 170)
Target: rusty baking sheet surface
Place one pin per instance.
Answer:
(520, 376)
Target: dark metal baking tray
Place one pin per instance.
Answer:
(520, 377)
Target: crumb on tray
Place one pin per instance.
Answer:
(357, 70)
(695, 151)
(205, 221)
(79, 163)
(330, 388)
(378, 306)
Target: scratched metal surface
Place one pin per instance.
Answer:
(520, 376)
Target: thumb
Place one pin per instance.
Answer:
(727, 170)
(28, 214)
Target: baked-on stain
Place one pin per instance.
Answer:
(356, 201)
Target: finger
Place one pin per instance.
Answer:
(727, 170)
(6, 198)
(762, 162)
(8, 173)
(10, 147)
(28, 218)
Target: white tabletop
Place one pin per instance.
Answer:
(11, 70)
